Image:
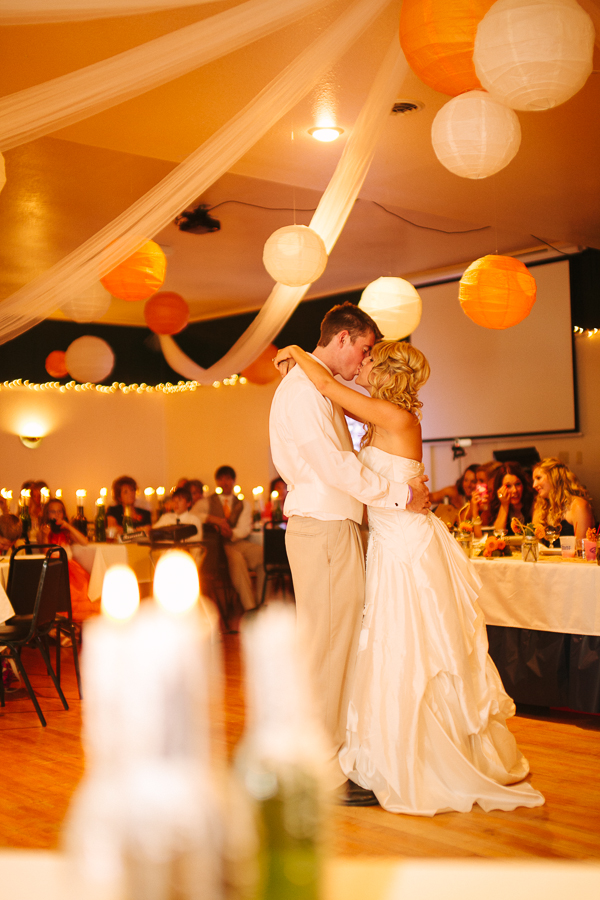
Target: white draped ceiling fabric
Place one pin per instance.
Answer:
(116, 241)
(328, 221)
(44, 108)
(30, 12)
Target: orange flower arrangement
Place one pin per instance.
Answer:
(530, 530)
(496, 547)
(592, 534)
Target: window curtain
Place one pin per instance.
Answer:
(43, 108)
(328, 221)
(117, 241)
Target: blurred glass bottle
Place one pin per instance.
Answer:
(281, 760)
(128, 520)
(80, 521)
(100, 523)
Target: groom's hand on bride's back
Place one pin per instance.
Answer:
(420, 501)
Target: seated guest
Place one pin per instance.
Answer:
(511, 497)
(56, 529)
(460, 492)
(233, 518)
(199, 501)
(36, 507)
(10, 532)
(124, 490)
(181, 514)
(561, 499)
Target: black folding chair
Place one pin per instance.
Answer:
(23, 579)
(24, 628)
(275, 558)
(214, 574)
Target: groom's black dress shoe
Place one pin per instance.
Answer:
(351, 794)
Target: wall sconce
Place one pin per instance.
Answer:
(30, 441)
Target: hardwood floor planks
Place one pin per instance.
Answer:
(41, 768)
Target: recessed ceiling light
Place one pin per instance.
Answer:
(326, 133)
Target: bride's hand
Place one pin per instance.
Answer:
(284, 361)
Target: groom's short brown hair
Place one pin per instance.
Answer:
(346, 317)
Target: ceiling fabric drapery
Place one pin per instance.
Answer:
(329, 219)
(43, 108)
(31, 12)
(116, 241)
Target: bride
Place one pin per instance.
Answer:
(426, 728)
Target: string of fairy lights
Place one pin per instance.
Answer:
(181, 387)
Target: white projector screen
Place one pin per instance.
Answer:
(486, 382)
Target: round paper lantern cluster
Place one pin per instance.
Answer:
(394, 305)
(262, 370)
(497, 292)
(474, 136)
(437, 37)
(55, 364)
(89, 305)
(534, 54)
(89, 359)
(166, 313)
(139, 276)
(295, 255)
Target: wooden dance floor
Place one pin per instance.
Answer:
(41, 767)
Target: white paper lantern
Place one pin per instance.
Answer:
(89, 358)
(474, 136)
(89, 305)
(534, 54)
(295, 255)
(394, 305)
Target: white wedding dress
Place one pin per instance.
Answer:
(426, 723)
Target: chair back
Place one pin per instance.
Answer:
(214, 564)
(35, 586)
(274, 552)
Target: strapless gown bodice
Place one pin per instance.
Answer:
(426, 727)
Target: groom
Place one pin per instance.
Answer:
(327, 486)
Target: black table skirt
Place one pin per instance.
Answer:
(542, 668)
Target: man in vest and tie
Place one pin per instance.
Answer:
(233, 518)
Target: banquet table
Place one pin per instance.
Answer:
(97, 558)
(31, 874)
(543, 623)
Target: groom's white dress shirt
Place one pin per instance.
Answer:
(312, 450)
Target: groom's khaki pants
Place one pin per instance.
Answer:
(328, 569)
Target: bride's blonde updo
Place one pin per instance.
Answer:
(399, 372)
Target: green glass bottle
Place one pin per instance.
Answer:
(100, 523)
(128, 520)
(276, 511)
(25, 517)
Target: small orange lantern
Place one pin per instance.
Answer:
(262, 370)
(139, 276)
(438, 38)
(166, 313)
(497, 292)
(55, 364)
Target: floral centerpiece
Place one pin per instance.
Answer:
(464, 535)
(532, 533)
(591, 544)
(495, 546)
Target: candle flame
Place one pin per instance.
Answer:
(103, 492)
(45, 494)
(236, 489)
(100, 501)
(81, 494)
(240, 496)
(176, 584)
(274, 495)
(148, 491)
(258, 490)
(58, 493)
(6, 494)
(219, 490)
(120, 593)
(25, 492)
(160, 491)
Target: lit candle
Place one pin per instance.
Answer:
(58, 494)
(236, 489)
(45, 494)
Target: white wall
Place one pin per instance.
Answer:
(581, 453)
(93, 438)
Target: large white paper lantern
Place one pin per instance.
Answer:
(474, 136)
(295, 255)
(89, 305)
(88, 359)
(394, 305)
(534, 54)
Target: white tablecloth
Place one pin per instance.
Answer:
(554, 594)
(97, 558)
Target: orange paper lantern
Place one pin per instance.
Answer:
(139, 276)
(438, 38)
(166, 313)
(262, 370)
(497, 291)
(55, 364)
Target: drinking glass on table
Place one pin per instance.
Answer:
(551, 534)
(500, 533)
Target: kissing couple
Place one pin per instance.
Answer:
(411, 703)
